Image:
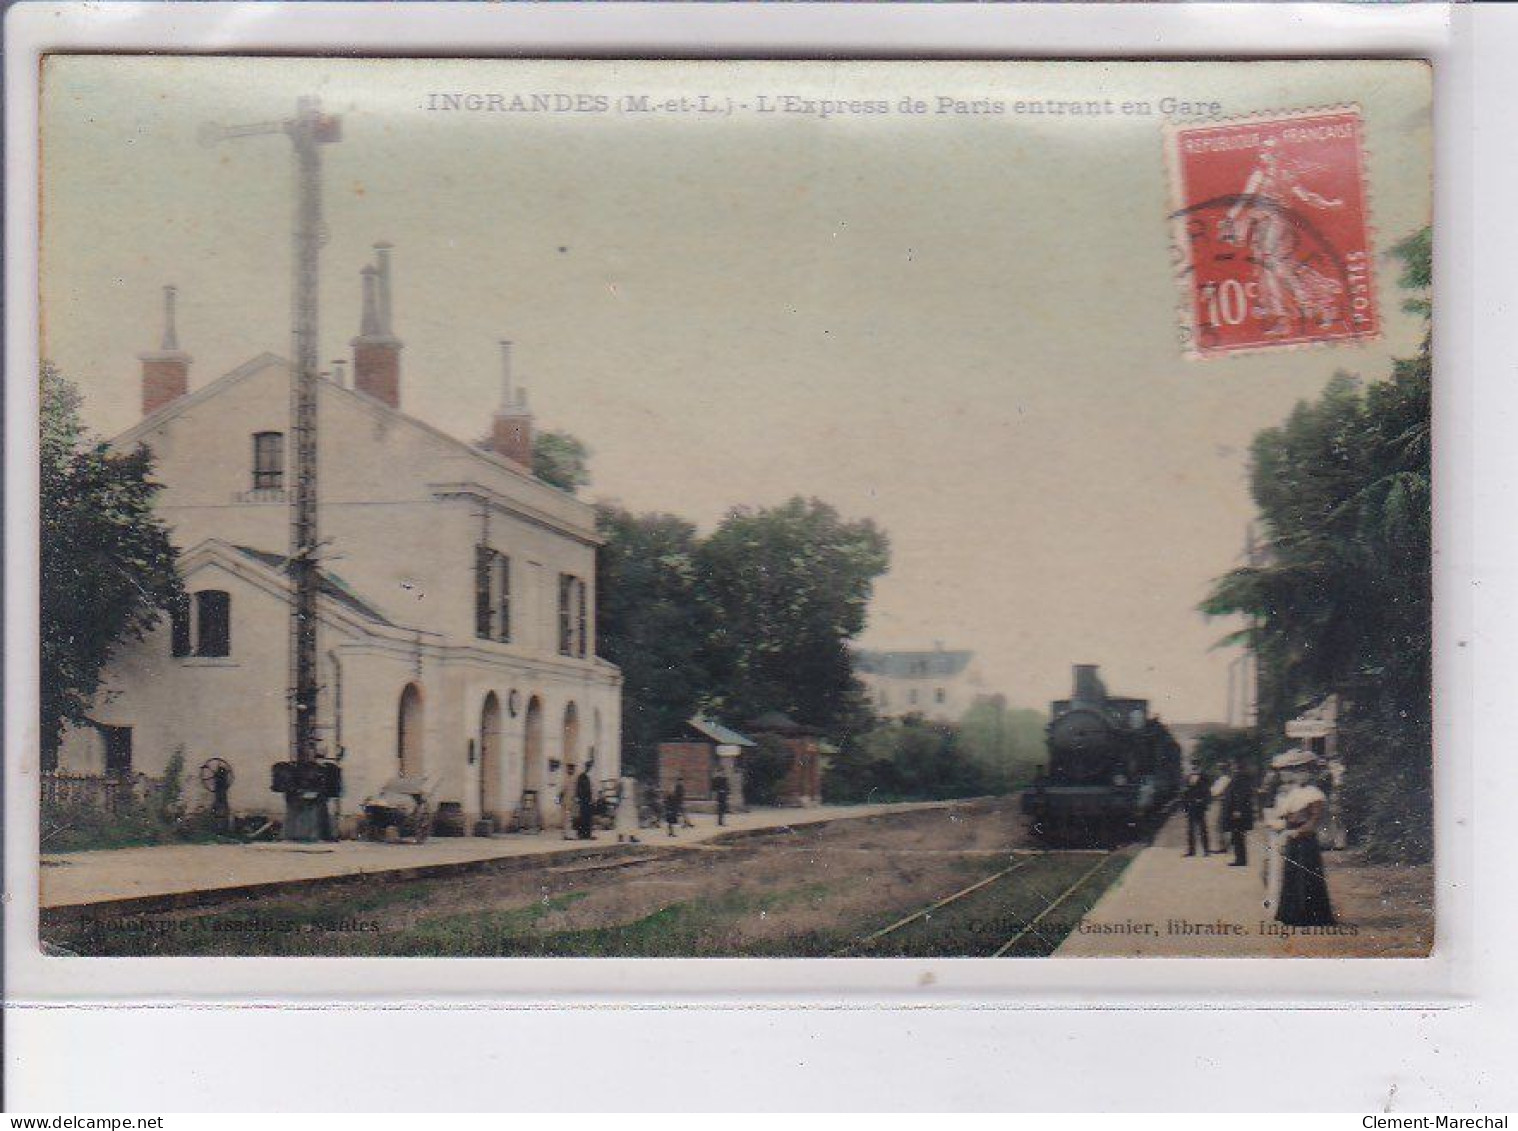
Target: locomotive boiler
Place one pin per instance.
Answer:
(1112, 766)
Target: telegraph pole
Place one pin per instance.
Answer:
(308, 131)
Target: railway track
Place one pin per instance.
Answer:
(997, 915)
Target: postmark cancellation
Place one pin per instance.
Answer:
(1272, 234)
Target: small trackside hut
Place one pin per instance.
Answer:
(701, 749)
(802, 783)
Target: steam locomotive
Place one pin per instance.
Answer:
(1112, 765)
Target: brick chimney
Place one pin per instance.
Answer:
(165, 371)
(511, 430)
(376, 350)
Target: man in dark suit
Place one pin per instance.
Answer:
(585, 805)
(1196, 797)
(723, 790)
(1238, 810)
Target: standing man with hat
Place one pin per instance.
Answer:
(1195, 798)
(1236, 809)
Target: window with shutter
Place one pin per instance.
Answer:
(213, 616)
(565, 624)
(502, 597)
(179, 627)
(483, 561)
(118, 749)
(268, 460)
(580, 619)
(492, 594)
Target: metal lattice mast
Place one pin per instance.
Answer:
(307, 131)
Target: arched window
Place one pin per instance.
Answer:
(268, 461)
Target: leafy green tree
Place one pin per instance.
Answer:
(908, 759)
(852, 775)
(764, 768)
(790, 586)
(1342, 602)
(654, 622)
(756, 617)
(1215, 751)
(107, 564)
(561, 460)
(1006, 743)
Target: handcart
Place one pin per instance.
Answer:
(404, 804)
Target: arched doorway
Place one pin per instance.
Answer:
(533, 765)
(408, 743)
(490, 757)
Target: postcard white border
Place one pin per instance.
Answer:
(1431, 31)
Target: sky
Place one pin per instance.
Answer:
(961, 325)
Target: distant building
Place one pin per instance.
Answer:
(939, 684)
(457, 610)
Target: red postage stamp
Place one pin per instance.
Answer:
(1273, 241)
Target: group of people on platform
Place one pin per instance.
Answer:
(1293, 807)
(632, 807)
(675, 812)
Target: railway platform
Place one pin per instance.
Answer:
(1167, 904)
(137, 879)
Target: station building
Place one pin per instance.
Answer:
(457, 631)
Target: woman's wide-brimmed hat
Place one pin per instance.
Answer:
(1294, 759)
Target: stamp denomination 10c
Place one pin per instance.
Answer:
(1273, 243)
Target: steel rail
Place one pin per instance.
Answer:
(928, 910)
(1064, 895)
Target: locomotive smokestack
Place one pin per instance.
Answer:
(1088, 685)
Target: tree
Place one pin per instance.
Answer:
(654, 622)
(765, 766)
(1343, 602)
(107, 564)
(1216, 750)
(561, 460)
(908, 759)
(790, 586)
(1006, 743)
(558, 459)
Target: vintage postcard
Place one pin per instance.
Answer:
(566, 508)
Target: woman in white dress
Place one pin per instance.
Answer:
(1299, 891)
